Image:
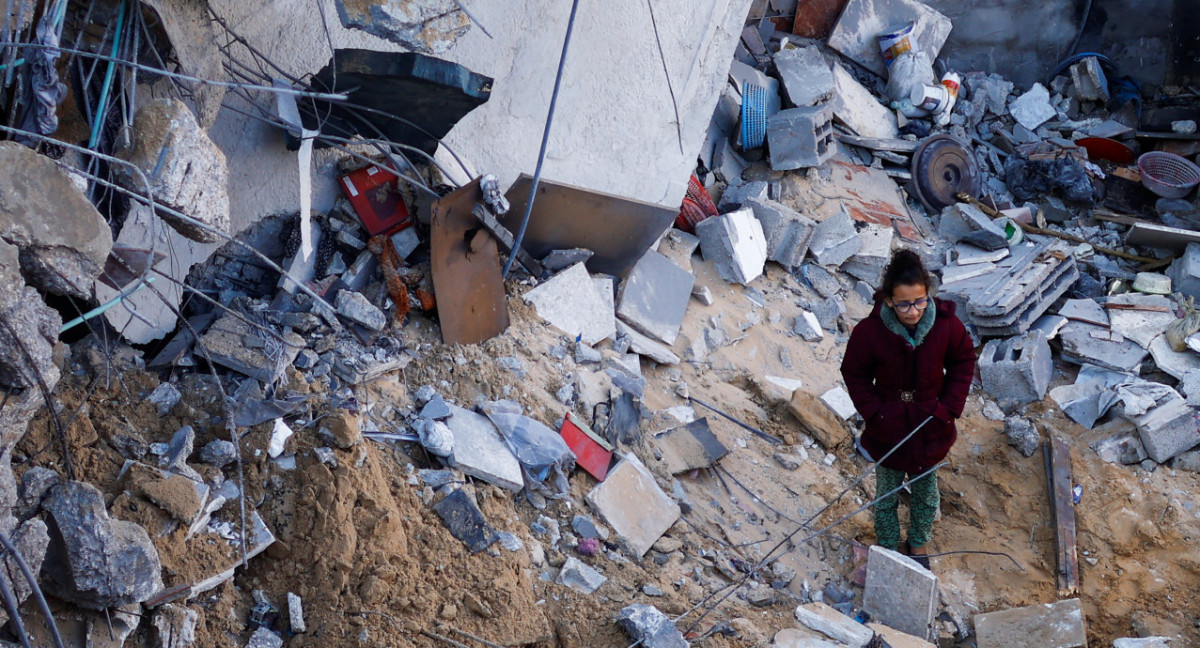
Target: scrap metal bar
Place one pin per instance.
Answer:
(505, 237)
(1062, 509)
(747, 426)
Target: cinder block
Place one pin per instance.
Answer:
(834, 240)
(1090, 82)
(736, 245)
(1017, 369)
(787, 231)
(1168, 429)
(654, 297)
(1057, 625)
(800, 137)
(807, 77)
(900, 593)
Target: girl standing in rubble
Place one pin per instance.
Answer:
(910, 360)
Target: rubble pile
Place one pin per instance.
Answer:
(355, 425)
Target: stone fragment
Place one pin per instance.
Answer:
(736, 245)
(235, 344)
(95, 561)
(639, 525)
(175, 625)
(833, 624)
(900, 593)
(787, 231)
(358, 309)
(480, 452)
(1124, 447)
(703, 295)
(736, 195)
(795, 638)
(834, 240)
(1051, 625)
(1022, 435)
(164, 397)
(461, 515)
(63, 240)
(570, 302)
(1089, 80)
(644, 346)
(893, 638)
(869, 262)
(426, 27)
(264, 638)
(186, 170)
(1032, 109)
(179, 449)
(818, 419)
(838, 401)
(855, 107)
(647, 625)
(295, 613)
(1084, 310)
(580, 576)
(801, 137)
(1018, 369)
(654, 297)
(35, 483)
(806, 75)
(808, 327)
(31, 541)
(962, 219)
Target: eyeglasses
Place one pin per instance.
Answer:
(904, 307)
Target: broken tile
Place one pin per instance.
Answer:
(570, 302)
(655, 295)
(834, 240)
(736, 245)
(689, 447)
(465, 521)
(900, 593)
(480, 452)
(856, 108)
(1032, 109)
(644, 346)
(833, 624)
(640, 524)
(838, 400)
(1052, 625)
(1084, 310)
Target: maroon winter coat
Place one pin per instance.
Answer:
(880, 365)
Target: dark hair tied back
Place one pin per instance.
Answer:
(905, 269)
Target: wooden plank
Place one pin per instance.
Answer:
(1062, 508)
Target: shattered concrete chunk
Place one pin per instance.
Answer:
(856, 108)
(246, 349)
(1022, 435)
(570, 302)
(185, 168)
(654, 297)
(1017, 369)
(869, 262)
(643, 345)
(580, 576)
(175, 625)
(787, 231)
(833, 624)
(1032, 109)
(31, 541)
(264, 638)
(834, 240)
(736, 245)
(808, 327)
(736, 195)
(1057, 625)
(358, 309)
(63, 240)
(806, 75)
(646, 624)
(479, 450)
(429, 27)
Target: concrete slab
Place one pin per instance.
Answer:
(1086, 343)
(631, 502)
(480, 452)
(795, 638)
(1175, 363)
(855, 107)
(570, 302)
(644, 346)
(1049, 325)
(689, 447)
(953, 273)
(833, 624)
(1056, 625)
(1141, 326)
(969, 254)
(835, 240)
(1084, 310)
(900, 593)
(788, 232)
(806, 75)
(736, 245)
(1168, 429)
(654, 297)
(862, 20)
(736, 195)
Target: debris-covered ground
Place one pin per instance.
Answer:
(353, 425)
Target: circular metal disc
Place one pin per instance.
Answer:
(941, 169)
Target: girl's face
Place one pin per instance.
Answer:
(909, 302)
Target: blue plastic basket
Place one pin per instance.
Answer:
(754, 115)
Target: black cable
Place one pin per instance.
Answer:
(33, 586)
(537, 173)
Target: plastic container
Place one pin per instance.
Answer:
(930, 97)
(896, 40)
(1167, 174)
(754, 115)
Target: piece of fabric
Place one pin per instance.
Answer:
(922, 508)
(880, 364)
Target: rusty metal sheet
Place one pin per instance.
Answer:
(618, 230)
(1062, 508)
(466, 271)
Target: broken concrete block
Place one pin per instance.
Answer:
(834, 240)
(654, 297)
(838, 400)
(893, 638)
(644, 346)
(869, 262)
(465, 521)
(1090, 82)
(833, 624)
(737, 194)
(1138, 322)
(93, 560)
(823, 281)
(899, 592)
(856, 108)
(1165, 423)
(801, 137)
(796, 638)
(186, 169)
(808, 327)
(558, 260)
(806, 75)
(1170, 361)
(1022, 435)
(689, 447)
(863, 20)
(358, 309)
(264, 638)
(961, 219)
(727, 164)
(570, 302)
(641, 525)
(63, 240)
(1090, 344)
(1052, 625)
(736, 245)
(175, 625)
(480, 452)
(703, 295)
(679, 246)
(650, 627)
(246, 349)
(787, 232)
(1185, 271)
(1032, 109)
(426, 27)
(1144, 642)
(580, 576)
(1017, 369)
(818, 420)
(1124, 447)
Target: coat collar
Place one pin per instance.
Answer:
(924, 325)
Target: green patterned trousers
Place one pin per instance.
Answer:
(923, 506)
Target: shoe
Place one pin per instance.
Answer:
(920, 558)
